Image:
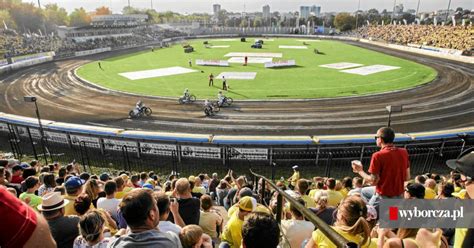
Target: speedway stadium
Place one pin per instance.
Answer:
(320, 112)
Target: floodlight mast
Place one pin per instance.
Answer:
(43, 143)
(357, 15)
(447, 12)
(391, 109)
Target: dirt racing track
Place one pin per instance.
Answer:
(447, 102)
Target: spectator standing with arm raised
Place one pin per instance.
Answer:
(188, 205)
(389, 168)
(294, 178)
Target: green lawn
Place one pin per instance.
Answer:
(307, 80)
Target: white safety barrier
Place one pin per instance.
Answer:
(212, 62)
(281, 63)
(25, 61)
(93, 51)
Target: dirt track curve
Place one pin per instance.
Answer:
(447, 102)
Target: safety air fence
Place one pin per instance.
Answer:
(119, 149)
(25, 61)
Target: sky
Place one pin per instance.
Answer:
(200, 6)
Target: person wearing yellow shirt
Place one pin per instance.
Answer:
(302, 186)
(465, 165)
(198, 188)
(243, 193)
(319, 186)
(232, 234)
(461, 194)
(430, 186)
(294, 178)
(120, 187)
(350, 223)
(74, 187)
(346, 186)
(334, 197)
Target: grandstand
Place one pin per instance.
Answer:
(287, 165)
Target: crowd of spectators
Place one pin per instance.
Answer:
(451, 37)
(62, 205)
(13, 44)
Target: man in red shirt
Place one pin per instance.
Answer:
(389, 168)
(17, 172)
(21, 225)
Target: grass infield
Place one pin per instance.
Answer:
(306, 80)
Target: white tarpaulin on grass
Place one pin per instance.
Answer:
(371, 69)
(342, 65)
(293, 47)
(237, 75)
(281, 63)
(220, 46)
(250, 60)
(175, 70)
(268, 55)
(212, 62)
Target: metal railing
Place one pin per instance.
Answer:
(334, 236)
(191, 158)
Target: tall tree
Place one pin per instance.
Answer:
(6, 19)
(79, 17)
(8, 4)
(257, 22)
(55, 16)
(373, 16)
(130, 10)
(329, 20)
(244, 23)
(27, 17)
(103, 11)
(344, 21)
(221, 17)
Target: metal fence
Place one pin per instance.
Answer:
(112, 153)
(334, 236)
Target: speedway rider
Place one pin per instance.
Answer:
(220, 98)
(186, 94)
(208, 105)
(138, 106)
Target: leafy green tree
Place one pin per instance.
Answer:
(55, 16)
(257, 22)
(6, 18)
(222, 16)
(344, 21)
(373, 16)
(79, 17)
(27, 17)
(328, 20)
(130, 10)
(244, 23)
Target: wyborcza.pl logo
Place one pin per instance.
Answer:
(417, 213)
(409, 214)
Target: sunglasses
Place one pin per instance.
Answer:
(376, 137)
